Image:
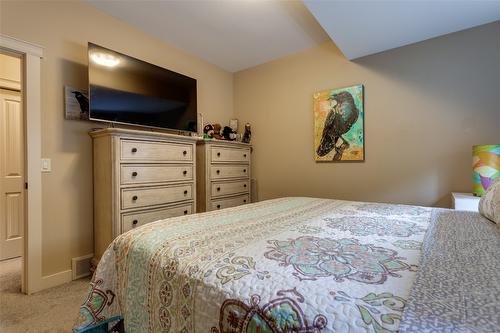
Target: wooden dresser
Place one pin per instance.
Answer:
(223, 174)
(140, 177)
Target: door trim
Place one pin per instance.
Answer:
(31, 98)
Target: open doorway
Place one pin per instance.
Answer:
(12, 173)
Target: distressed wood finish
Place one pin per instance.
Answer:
(132, 174)
(222, 155)
(139, 176)
(216, 204)
(135, 219)
(222, 188)
(154, 196)
(223, 174)
(135, 150)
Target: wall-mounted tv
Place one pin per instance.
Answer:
(126, 90)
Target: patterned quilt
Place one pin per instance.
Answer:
(457, 288)
(283, 265)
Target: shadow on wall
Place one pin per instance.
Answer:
(430, 182)
(75, 147)
(452, 73)
(426, 106)
(457, 86)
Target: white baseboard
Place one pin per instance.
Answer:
(49, 281)
(53, 280)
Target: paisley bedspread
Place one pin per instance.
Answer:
(283, 265)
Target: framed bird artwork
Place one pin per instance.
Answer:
(76, 103)
(339, 125)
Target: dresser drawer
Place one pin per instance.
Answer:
(150, 196)
(154, 173)
(229, 202)
(224, 154)
(135, 219)
(228, 171)
(229, 187)
(155, 151)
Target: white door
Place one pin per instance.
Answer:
(11, 174)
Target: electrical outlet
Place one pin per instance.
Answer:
(46, 165)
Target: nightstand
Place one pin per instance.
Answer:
(465, 201)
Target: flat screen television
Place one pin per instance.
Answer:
(126, 90)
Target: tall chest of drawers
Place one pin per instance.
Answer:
(223, 174)
(140, 177)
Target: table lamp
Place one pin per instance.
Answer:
(485, 167)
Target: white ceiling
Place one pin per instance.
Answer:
(361, 28)
(234, 35)
(238, 34)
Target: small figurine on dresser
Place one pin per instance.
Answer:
(208, 132)
(217, 132)
(247, 136)
(228, 133)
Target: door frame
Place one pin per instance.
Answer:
(31, 101)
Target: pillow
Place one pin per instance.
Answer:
(489, 205)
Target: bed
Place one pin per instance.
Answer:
(301, 265)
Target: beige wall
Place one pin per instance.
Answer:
(425, 106)
(63, 29)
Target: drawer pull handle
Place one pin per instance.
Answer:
(218, 189)
(134, 222)
(218, 154)
(244, 185)
(218, 206)
(244, 170)
(134, 197)
(245, 200)
(244, 155)
(218, 171)
(185, 212)
(134, 150)
(184, 172)
(184, 152)
(134, 174)
(185, 192)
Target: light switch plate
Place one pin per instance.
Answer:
(46, 165)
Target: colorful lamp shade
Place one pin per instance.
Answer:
(485, 167)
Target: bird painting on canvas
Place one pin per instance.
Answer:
(339, 125)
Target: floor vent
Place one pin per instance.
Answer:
(81, 266)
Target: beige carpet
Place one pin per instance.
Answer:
(51, 310)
